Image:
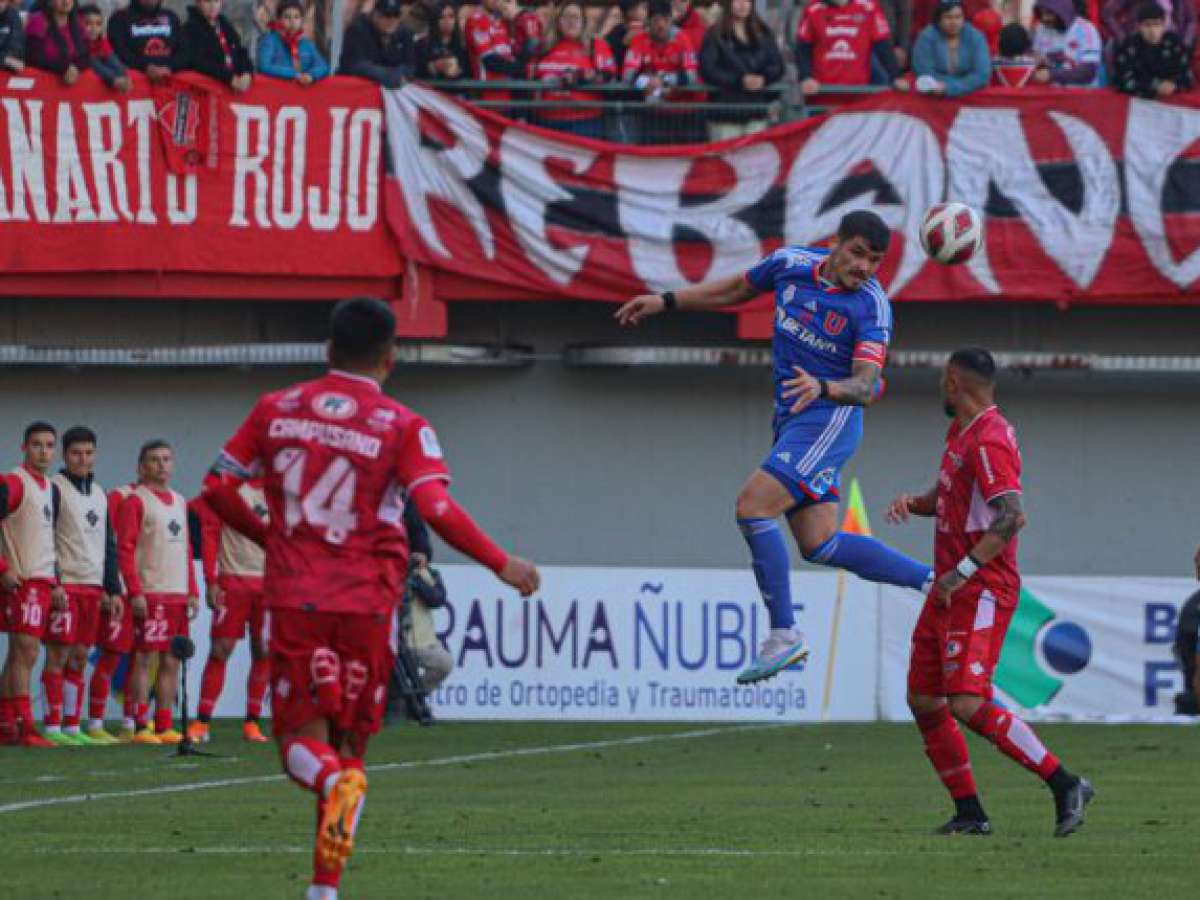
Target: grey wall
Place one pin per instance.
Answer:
(640, 466)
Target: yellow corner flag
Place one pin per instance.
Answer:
(856, 521)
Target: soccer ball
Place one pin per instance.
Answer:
(951, 233)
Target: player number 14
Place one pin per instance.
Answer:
(329, 503)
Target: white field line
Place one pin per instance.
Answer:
(387, 767)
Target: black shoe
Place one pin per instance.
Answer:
(1069, 805)
(960, 825)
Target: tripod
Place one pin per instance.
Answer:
(183, 649)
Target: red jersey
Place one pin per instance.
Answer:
(568, 59)
(841, 38)
(1013, 73)
(488, 34)
(693, 25)
(337, 457)
(981, 462)
(676, 57)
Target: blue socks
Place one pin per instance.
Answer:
(771, 568)
(870, 559)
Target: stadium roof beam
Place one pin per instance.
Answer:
(253, 355)
(592, 356)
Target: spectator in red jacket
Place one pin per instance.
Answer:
(104, 61)
(686, 19)
(836, 42)
(574, 58)
(657, 64)
(55, 42)
(495, 52)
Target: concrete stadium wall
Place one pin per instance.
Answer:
(640, 466)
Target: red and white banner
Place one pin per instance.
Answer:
(1090, 197)
(191, 178)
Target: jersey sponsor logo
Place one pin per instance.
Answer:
(290, 402)
(835, 323)
(429, 443)
(331, 405)
(381, 419)
(976, 668)
(91, 518)
(842, 30)
(795, 329)
(841, 49)
(160, 27)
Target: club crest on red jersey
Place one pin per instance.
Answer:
(835, 323)
(330, 405)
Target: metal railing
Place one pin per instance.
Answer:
(620, 112)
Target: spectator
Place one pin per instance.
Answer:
(1066, 45)
(148, 38)
(426, 592)
(574, 58)
(633, 23)
(685, 18)
(740, 58)
(54, 40)
(377, 46)
(102, 58)
(1152, 62)
(528, 30)
(215, 48)
(836, 41)
(12, 37)
(442, 54)
(657, 63)
(899, 15)
(1119, 18)
(951, 56)
(1014, 65)
(284, 52)
(495, 47)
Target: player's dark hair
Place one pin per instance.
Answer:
(80, 434)
(1014, 40)
(150, 445)
(88, 9)
(38, 427)
(1149, 11)
(361, 332)
(975, 360)
(867, 225)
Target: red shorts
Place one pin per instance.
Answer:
(79, 623)
(315, 655)
(955, 650)
(29, 607)
(163, 621)
(243, 605)
(116, 632)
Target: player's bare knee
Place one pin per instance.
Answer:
(920, 704)
(964, 706)
(221, 650)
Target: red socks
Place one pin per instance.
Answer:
(162, 720)
(72, 698)
(210, 687)
(141, 714)
(1014, 738)
(947, 751)
(52, 686)
(311, 764)
(100, 684)
(256, 687)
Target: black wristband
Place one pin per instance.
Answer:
(670, 301)
(824, 387)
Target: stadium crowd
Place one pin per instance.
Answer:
(646, 51)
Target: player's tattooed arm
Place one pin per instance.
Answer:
(1010, 518)
(860, 389)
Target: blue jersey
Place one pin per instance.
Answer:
(820, 328)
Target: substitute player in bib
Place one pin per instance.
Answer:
(86, 546)
(957, 640)
(116, 641)
(233, 576)
(29, 578)
(833, 323)
(340, 460)
(156, 564)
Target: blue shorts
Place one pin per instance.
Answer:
(809, 454)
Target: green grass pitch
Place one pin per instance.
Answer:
(594, 810)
